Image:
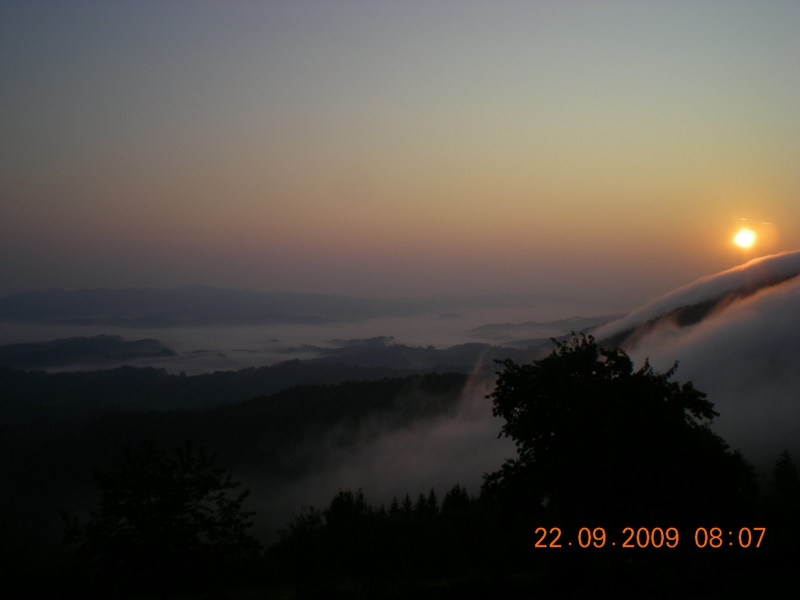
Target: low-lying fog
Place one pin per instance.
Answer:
(212, 348)
(436, 454)
(743, 355)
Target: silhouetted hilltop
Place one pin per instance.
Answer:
(52, 402)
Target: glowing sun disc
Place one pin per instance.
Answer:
(744, 238)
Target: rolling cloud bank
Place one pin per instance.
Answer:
(736, 335)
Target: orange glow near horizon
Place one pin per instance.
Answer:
(411, 148)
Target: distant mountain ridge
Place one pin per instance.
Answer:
(510, 332)
(185, 306)
(95, 349)
(204, 306)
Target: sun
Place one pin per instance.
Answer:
(745, 238)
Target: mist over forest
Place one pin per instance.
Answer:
(317, 409)
(383, 300)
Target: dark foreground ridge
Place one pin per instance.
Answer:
(619, 489)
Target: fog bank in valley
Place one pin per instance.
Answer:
(455, 448)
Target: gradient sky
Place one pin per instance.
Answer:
(605, 150)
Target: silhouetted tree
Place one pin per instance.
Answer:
(348, 511)
(165, 519)
(421, 507)
(784, 510)
(598, 441)
(303, 546)
(455, 500)
(433, 503)
(786, 480)
(394, 507)
(352, 542)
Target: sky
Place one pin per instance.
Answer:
(604, 150)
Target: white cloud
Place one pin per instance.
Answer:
(752, 274)
(745, 355)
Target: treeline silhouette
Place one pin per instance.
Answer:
(421, 546)
(602, 448)
(473, 547)
(600, 444)
(352, 546)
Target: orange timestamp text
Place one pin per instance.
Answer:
(651, 537)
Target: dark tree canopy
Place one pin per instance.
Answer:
(786, 479)
(165, 518)
(598, 440)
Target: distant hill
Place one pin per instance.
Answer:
(534, 332)
(204, 306)
(47, 403)
(187, 306)
(97, 349)
(267, 429)
(51, 402)
(382, 351)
